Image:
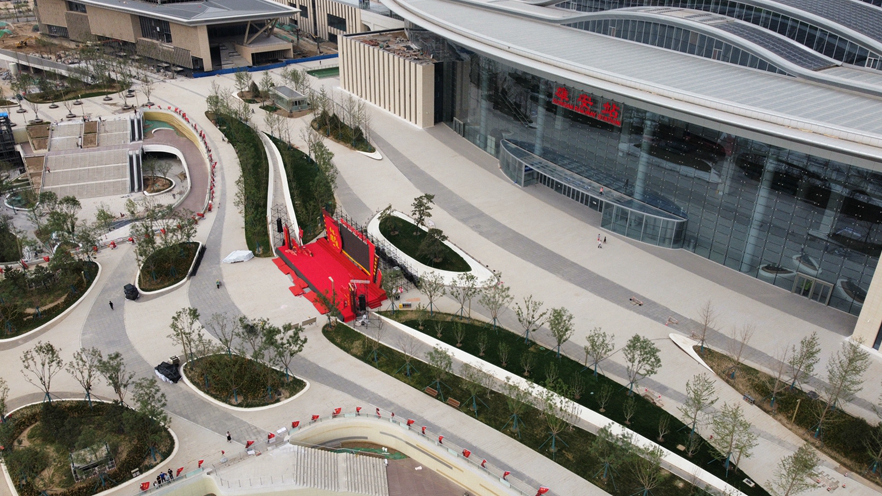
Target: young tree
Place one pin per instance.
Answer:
(503, 352)
(517, 400)
(794, 472)
(803, 359)
(104, 218)
(150, 402)
(392, 280)
(646, 467)
(463, 291)
(113, 369)
(266, 85)
(84, 368)
(441, 362)
(600, 345)
(707, 319)
(422, 208)
(4, 395)
(185, 328)
(664, 427)
(408, 345)
(41, 363)
(629, 408)
(482, 340)
(242, 81)
(531, 316)
(287, 343)
(641, 359)
(560, 323)
(612, 450)
(777, 382)
(740, 337)
(603, 396)
(474, 384)
(433, 247)
(495, 297)
(845, 378)
(732, 433)
(528, 360)
(577, 385)
(700, 396)
(459, 333)
(147, 87)
(559, 413)
(432, 285)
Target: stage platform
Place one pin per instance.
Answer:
(322, 269)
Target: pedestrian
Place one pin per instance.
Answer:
(162, 476)
(598, 236)
(217, 283)
(599, 244)
(158, 480)
(229, 437)
(171, 476)
(48, 170)
(173, 196)
(604, 240)
(111, 305)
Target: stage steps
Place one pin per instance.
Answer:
(341, 472)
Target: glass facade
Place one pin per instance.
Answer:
(818, 39)
(799, 221)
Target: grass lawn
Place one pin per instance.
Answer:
(308, 200)
(52, 292)
(241, 382)
(167, 266)
(408, 239)
(325, 73)
(843, 435)
(544, 362)
(40, 438)
(334, 128)
(71, 94)
(573, 445)
(255, 177)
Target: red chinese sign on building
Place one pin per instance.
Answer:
(585, 104)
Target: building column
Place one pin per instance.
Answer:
(485, 91)
(540, 121)
(649, 126)
(759, 210)
(869, 323)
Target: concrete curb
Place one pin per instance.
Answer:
(151, 294)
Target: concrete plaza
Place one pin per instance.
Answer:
(544, 245)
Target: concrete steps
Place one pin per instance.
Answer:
(342, 472)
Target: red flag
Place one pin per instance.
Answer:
(506, 474)
(145, 486)
(223, 452)
(200, 463)
(484, 463)
(358, 410)
(410, 422)
(424, 430)
(440, 439)
(295, 424)
(542, 490)
(179, 471)
(466, 453)
(315, 417)
(248, 444)
(270, 435)
(378, 413)
(337, 411)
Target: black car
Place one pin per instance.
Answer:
(131, 292)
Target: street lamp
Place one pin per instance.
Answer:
(333, 297)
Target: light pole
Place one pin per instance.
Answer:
(333, 296)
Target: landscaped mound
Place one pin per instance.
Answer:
(241, 382)
(409, 238)
(41, 441)
(310, 190)
(333, 127)
(167, 266)
(29, 299)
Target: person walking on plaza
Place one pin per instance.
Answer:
(229, 437)
(217, 283)
(111, 305)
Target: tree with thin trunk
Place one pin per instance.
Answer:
(531, 316)
(795, 472)
(242, 81)
(516, 399)
(559, 413)
(4, 395)
(551, 375)
(495, 297)
(803, 359)
(287, 344)
(474, 384)
(600, 345)
(707, 319)
(603, 396)
(41, 363)
(528, 360)
(421, 208)
(113, 369)
(441, 362)
(700, 396)
(645, 465)
(503, 352)
(147, 87)
(612, 450)
(741, 336)
(777, 382)
(845, 378)
(629, 408)
(577, 385)
(641, 359)
(459, 333)
(731, 433)
(438, 325)
(185, 327)
(464, 291)
(664, 427)
(432, 285)
(560, 323)
(84, 368)
(408, 345)
(482, 340)
(223, 327)
(150, 402)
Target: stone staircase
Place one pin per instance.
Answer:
(340, 472)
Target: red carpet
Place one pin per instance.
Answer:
(317, 264)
